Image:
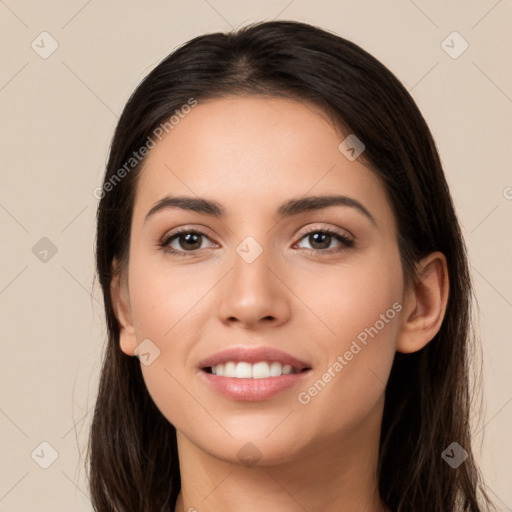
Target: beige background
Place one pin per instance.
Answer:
(58, 115)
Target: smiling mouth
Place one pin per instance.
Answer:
(260, 370)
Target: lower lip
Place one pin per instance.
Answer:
(253, 390)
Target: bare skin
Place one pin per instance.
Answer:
(251, 154)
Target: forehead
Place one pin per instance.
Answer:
(249, 152)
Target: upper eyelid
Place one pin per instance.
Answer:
(337, 230)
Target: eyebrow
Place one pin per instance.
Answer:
(287, 209)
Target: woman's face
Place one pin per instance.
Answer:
(255, 278)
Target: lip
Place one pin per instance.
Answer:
(253, 390)
(253, 355)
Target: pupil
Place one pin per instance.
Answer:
(322, 236)
(187, 239)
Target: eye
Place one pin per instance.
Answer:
(321, 239)
(187, 240)
(190, 240)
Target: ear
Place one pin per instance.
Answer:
(119, 293)
(425, 304)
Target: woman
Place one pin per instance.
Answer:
(278, 247)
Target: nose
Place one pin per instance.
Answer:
(254, 293)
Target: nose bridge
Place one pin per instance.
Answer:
(251, 275)
(252, 291)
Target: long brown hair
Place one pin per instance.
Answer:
(132, 447)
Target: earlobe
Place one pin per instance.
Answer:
(425, 304)
(121, 303)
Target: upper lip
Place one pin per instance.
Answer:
(253, 355)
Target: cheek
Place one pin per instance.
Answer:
(169, 305)
(360, 310)
(165, 306)
(346, 299)
(163, 297)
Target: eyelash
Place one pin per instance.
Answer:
(346, 241)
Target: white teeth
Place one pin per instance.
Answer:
(262, 371)
(276, 369)
(230, 369)
(244, 370)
